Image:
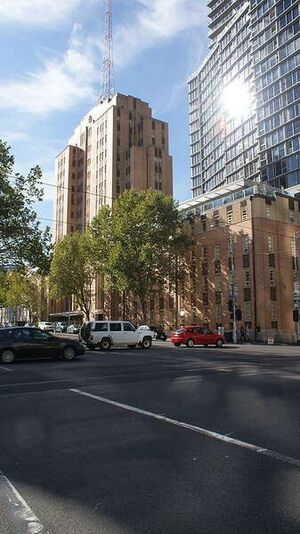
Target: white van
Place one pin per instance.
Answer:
(46, 326)
(105, 334)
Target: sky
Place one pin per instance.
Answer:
(50, 73)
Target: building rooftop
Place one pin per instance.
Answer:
(227, 194)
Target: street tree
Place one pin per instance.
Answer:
(71, 272)
(22, 241)
(136, 243)
(26, 289)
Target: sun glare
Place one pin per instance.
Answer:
(236, 100)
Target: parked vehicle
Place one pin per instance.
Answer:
(29, 342)
(146, 328)
(159, 332)
(196, 335)
(105, 334)
(73, 329)
(61, 327)
(46, 326)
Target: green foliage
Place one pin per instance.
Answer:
(22, 242)
(25, 289)
(136, 243)
(4, 285)
(71, 273)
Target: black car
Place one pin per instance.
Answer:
(160, 333)
(34, 343)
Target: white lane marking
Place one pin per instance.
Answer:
(205, 432)
(5, 369)
(23, 515)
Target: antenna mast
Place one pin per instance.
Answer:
(107, 90)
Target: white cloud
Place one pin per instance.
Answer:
(155, 22)
(60, 84)
(32, 12)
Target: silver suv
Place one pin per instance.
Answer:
(105, 334)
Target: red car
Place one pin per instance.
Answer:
(196, 335)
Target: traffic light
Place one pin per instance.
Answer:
(238, 314)
(295, 316)
(230, 305)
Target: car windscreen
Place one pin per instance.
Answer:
(180, 331)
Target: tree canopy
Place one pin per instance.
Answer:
(135, 244)
(22, 241)
(25, 289)
(71, 273)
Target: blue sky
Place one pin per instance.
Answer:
(50, 72)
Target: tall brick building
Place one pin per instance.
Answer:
(117, 146)
(245, 247)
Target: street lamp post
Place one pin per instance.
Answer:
(234, 330)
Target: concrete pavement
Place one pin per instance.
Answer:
(104, 459)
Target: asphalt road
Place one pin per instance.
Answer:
(166, 441)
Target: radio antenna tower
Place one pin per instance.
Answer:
(107, 89)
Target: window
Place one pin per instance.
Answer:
(217, 251)
(246, 261)
(268, 212)
(246, 278)
(229, 217)
(244, 214)
(205, 299)
(272, 278)
(218, 282)
(247, 294)
(23, 335)
(273, 311)
(42, 336)
(270, 243)
(245, 243)
(101, 327)
(273, 294)
(204, 251)
(128, 327)
(115, 327)
(247, 311)
(271, 260)
(217, 266)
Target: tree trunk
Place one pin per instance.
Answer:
(124, 305)
(144, 310)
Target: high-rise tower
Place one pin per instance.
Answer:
(244, 100)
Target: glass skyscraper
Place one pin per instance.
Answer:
(244, 99)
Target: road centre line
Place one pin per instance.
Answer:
(199, 430)
(5, 369)
(27, 521)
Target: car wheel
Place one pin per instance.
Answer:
(219, 344)
(177, 344)
(146, 343)
(7, 356)
(105, 343)
(190, 343)
(69, 354)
